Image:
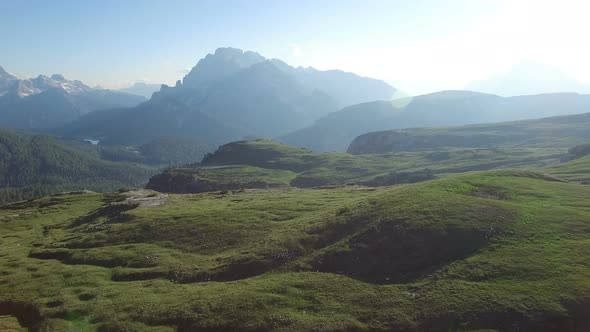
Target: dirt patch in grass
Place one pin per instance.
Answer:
(68, 256)
(397, 251)
(86, 296)
(111, 211)
(490, 192)
(137, 275)
(27, 314)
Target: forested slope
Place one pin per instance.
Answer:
(37, 165)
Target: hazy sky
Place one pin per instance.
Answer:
(420, 45)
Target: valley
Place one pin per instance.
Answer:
(37, 165)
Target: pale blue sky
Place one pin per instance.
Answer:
(427, 45)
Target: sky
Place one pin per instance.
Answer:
(417, 45)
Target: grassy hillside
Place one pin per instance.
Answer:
(498, 250)
(34, 166)
(576, 170)
(554, 132)
(267, 164)
(335, 131)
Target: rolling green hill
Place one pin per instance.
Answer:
(37, 165)
(497, 250)
(267, 164)
(575, 170)
(553, 132)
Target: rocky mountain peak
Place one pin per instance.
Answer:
(244, 58)
(223, 62)
(5, 75)
(58, 77)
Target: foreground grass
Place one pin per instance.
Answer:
(503, 250)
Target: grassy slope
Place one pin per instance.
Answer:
(576, 170)
(553, 132)
(511, 253)
(263, 163)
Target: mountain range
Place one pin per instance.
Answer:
(48, 102)
(233, 94)
(335, 131)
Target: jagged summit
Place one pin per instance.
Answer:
(58, 77)
(43, 83)
(238, 54)
(344, 88)
(222, 63)
(6, 75)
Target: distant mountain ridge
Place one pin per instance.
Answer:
(233, 94)
(335, 131)
(10, 84)
(142, 89)
(527, 78)
(47, 102)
